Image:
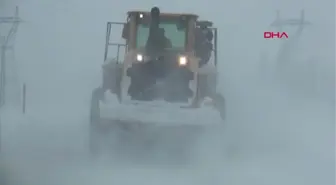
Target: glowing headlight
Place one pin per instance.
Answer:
(139, 57)
(183, 61)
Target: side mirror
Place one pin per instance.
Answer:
(125, 32)
(209, 35)
(204, 23)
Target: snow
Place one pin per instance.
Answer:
(157, 113)
(272, 136)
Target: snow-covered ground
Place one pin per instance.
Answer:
(269, 140)
(273, 135)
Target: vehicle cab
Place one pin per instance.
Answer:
(173, 54)
(179, 29)
(177, 54)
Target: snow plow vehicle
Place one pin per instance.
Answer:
(165, 85)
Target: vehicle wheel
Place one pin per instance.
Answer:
(220, 104)
(94, 144)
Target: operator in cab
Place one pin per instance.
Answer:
(156, 40)
(165, 41)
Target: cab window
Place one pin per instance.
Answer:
(176, 35)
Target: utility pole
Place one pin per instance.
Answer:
(288, 70)
(7, 38)
(7, 43)
(288, 46)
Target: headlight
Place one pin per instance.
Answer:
(183, 61)
(139, 58)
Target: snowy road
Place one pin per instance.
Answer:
(272, 136)
(271, 145)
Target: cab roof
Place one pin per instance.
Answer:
(163, 14)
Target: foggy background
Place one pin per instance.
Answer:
(277, 131)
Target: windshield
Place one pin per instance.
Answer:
(176, 36)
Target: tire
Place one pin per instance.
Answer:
(94, 145)
(94, 142)
(220, 104)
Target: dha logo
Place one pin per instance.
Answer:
(278, 35)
